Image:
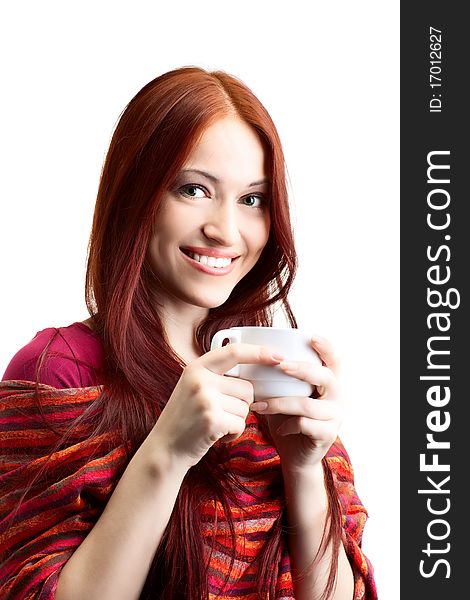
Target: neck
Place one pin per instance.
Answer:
(180, 321)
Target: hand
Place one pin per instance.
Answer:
(303, 429)
(207, 406)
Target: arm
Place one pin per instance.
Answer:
(304, 431)
(306, 512)
(114, 559)
(75, 544)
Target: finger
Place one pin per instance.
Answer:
(233, 406)
(236, 387)
(220, 360)
(325, 350)
(321, 431)
(234, 427)
(320, 376)
(298, 406)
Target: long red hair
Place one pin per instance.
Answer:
(154, 136)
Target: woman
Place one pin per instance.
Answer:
(135, 467)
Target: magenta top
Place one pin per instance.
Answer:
(74, 358)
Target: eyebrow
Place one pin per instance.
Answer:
(215, 180)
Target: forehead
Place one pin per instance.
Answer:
(227, 148)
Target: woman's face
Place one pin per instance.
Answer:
(214, 220)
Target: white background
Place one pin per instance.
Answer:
(327, 73)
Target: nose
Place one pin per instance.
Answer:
(222, 224)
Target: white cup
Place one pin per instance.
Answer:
(271, 381)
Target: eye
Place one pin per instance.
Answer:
(190, 191)
(254, 201)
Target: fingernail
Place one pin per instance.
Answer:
(289, 366)
(318, 339)
(277, 357)
(258, 406)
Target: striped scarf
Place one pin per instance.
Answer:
(67, 500)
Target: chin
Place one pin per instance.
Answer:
(214, 304)
(209, 302)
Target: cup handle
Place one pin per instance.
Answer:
(233, 336)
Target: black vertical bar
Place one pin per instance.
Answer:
(435, 269)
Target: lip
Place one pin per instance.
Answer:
(217, 271)
(210, 252)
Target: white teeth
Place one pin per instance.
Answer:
(211, 261)
(222, 262)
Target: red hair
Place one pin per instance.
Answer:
(152, 140)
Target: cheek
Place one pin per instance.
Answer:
(167, 231)
(153, 253)
(162, 236)
(263, 231)
(177, 222)
(258, 238)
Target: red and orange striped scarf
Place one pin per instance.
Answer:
(67, 500)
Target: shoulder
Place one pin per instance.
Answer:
(63, 357)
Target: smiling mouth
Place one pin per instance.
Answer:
(209, 261)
